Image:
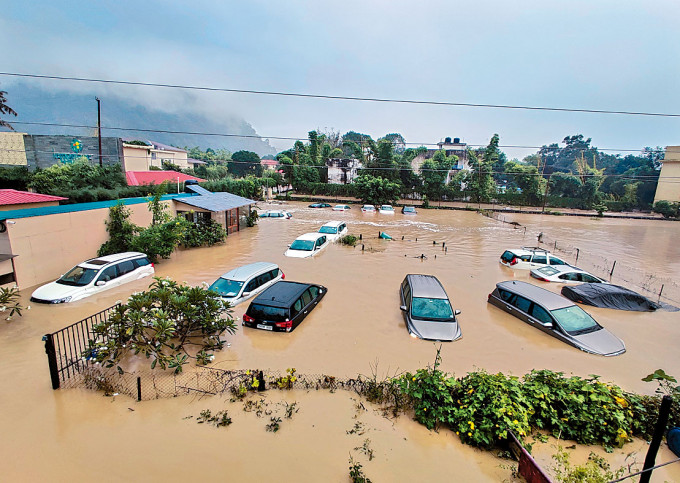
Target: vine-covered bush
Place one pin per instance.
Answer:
(203, 233)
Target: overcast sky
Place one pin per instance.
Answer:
(611, 55)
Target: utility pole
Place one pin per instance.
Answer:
(99, 130)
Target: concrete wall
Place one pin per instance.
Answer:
(12, 149)
(136, 158)
(47, 246)
(41, 150)
(669, 178)
(22, 206)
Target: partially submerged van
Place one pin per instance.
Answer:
(241, 283)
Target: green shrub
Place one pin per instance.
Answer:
(667, 208)
(203, 233)
(350, 240)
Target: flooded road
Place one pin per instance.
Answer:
(67, 433)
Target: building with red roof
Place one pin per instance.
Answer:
(17, 200)
(139, 178)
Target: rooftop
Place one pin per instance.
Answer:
(138, 178)
(15, 197)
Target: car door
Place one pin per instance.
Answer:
(126, 272)
(306, 304)
(541, 318)
(108, 275)
(539, 260)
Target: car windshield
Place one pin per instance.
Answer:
(409, 208)
(304, 245)
(575, 320)
(328, 229)
(431, 309)
(78, 276)
(226, 288)
(265, 312)
(386, 208)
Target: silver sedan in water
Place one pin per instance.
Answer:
(427, 309)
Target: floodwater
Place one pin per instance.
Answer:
(357, 329)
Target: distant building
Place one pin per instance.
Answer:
(139, 178)
(42, 151)
(138, 157)
(668, 187)
(342, 170)
(18, 200)
(269, 164)
(451, 148)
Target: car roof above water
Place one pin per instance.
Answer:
(282, 294)
(426, 286)
(116, 257)
(242, 274)
(549, 300)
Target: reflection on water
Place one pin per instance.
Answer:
(357, 324)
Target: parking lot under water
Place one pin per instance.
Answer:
(73, 434)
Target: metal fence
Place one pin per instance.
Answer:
(65, 348)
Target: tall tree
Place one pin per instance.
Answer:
(244, 163)
(5, 109)
(434, 171)
(479, 180)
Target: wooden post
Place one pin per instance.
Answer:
(577, 254)
(612, 272)
(52, 360)
(659, 431)
(139, 388)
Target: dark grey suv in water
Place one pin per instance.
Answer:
(427, 309)
(557, 316)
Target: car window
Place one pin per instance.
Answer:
(541, 314)
(573, 277)
(589, 278)
(78, 276)
(522, 304)
(506, 296)
(108, 274)
(226, 288)
(264, 278)
(328, 229)
(303, 245)
(539, 258)
(427, 308)
(125, 267)
(556, 261)
(575, 320)
(507, 256)
(341, 227)
(407, 291)
(297, 307)
(525, 258)
(265, 312)
(314, 290)
(141, 262)
(306, 298)
(274, 273)
(252, 285)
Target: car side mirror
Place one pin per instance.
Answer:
(100, 283)
(456, 312)
(404, 308)
(245, 294)
(288, 246)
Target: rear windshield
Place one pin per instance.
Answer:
(304, 245)
(575, 320)
(548, 271)
(328, 229)
(226, 288)
(265, 312)
(431, 309)
(78, 276)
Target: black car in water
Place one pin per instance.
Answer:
(319, 205)
(283, 306)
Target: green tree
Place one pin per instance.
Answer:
(376, 190)
(5, 109)
(479, 180)
(527, 178)
(164, 324)
(433, 173)
(121, 231)
(565, 184)
(244, 163)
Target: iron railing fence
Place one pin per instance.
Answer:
(65, 348)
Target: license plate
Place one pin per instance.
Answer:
(265, 327)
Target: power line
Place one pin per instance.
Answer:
(343, 98)
(285, 138)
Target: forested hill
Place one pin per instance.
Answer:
(62, 107)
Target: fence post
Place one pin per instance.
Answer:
(52, 360)
(555, 249)
(659, 300)
(612, 272)
(577, 253)
(139, 388)
(659, 431)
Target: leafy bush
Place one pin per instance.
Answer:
(121, 231)
(203, 233)
(160, 323)
(667, 209)
(160, 240)
(350, 240)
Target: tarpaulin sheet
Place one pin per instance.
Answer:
(611, 297)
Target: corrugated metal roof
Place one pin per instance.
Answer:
(165, 147)
(197, 189)
(216, 201)
(16, 197)
(138, 178)
(51, 210)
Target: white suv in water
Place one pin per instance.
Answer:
(94, 275)
(526, 258)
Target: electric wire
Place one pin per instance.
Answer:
(335, 97)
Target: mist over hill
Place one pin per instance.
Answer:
(133, 115)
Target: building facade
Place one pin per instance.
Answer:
(342, 170)
(452, 147)
(668, 187)
(137, 157)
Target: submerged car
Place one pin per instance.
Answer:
(408, 210)
(280, 214)
(612, 297)
(341, 208)
(427, 309)
(241, 283)
(307, 245)
(334, 230)
(564, 274)
(526, 258)
(368, 209)
(557, 316)
(386, 210)
(283, 306)
(93, 276)
(319, 205)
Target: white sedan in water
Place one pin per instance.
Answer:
(307, 245)
(334, 230)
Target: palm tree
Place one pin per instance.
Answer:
(5, 109)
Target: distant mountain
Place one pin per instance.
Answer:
(34, 104)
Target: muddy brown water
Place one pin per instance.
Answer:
(356, 329)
